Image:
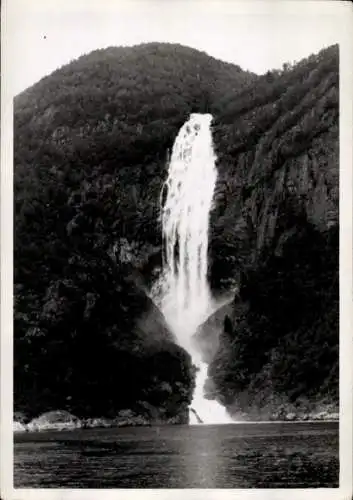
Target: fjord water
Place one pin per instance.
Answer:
(273, 455)
(186, 201)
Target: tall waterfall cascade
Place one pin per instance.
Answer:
(184, 294)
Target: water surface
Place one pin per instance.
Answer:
(272, 455)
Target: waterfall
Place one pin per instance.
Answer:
(186, 201)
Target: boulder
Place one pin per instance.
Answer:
(19, 427)
(55, 420)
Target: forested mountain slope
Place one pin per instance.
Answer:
(91, 144)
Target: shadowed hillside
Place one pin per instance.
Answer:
(91, 147)
(91, 142)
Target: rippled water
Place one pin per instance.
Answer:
(273, 455)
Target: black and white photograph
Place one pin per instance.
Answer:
(176, 296)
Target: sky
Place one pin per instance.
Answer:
(43, 35)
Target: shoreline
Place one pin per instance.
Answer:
(65, 428)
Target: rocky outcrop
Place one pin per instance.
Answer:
(277, 407)
(59, 420)
(18, 427)
(207, 335)
(54, 420)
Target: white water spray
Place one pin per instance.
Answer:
(186, 201)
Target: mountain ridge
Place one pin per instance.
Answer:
(91, 148)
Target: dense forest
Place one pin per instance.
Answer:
(91, 146)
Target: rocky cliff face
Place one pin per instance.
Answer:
(207, 335)
(275, 237)
(277, 353)
(91, 145)
(278, 154)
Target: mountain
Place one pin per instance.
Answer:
(91, 144)
(104, 124)
(91, 147)
(275, 235)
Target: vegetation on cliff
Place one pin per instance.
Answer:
(91, 143)
(276, 234)
(277, 147)
(285, 343)
(94, 344)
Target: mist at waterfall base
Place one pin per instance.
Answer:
(184, 294)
